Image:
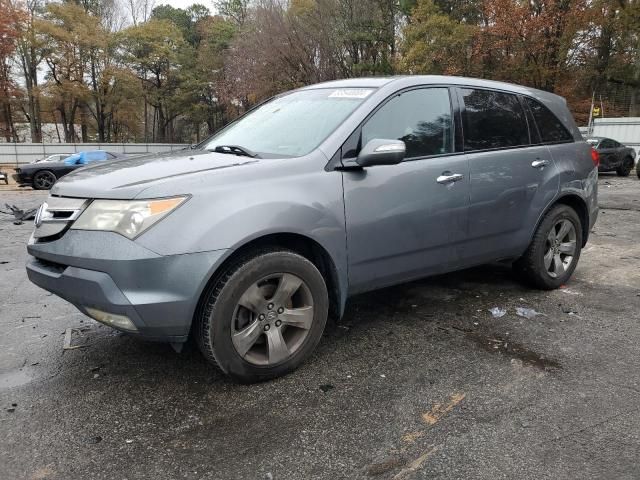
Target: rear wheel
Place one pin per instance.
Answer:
(264, 316)
(44, 180)
(625, 169)
(554, 251)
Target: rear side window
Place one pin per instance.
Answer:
(420, 118)
(551, 129)
(606, 143)
(493, 120)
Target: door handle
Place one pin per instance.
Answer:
(454, 177)
(539, 163)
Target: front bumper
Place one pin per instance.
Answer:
(22, 179)
(106, 271)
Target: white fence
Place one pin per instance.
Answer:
(21, 153)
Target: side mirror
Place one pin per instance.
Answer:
(381, 152)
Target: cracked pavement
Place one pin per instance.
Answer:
(417, 381)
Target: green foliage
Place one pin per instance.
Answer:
(436, 44)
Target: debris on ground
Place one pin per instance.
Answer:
(19, 214)
(498, 312)
(66, 345)
(569, 291)
(326, 387)
(527, 313)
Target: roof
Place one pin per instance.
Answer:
(375, 82)
(361, 82)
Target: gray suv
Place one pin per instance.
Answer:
(250, 240)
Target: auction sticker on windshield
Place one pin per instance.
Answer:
(350, 93)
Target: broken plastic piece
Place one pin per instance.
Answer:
(498, 312)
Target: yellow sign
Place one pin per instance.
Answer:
(596, 111)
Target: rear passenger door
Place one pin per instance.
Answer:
(512, 176)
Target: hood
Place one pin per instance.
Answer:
(126, 178)
(41, 166)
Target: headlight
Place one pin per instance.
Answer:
(126, 217)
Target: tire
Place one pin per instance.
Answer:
(249, 301)
(625, 169)
(44, 180)
(534, 267)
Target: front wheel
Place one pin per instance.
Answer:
(44, 180)
(554, 251)
(264, 316)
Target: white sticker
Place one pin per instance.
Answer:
(351, 93)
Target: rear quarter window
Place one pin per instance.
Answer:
(550, 127)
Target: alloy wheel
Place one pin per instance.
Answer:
(44, 180)
(560, 248)
(272, 319)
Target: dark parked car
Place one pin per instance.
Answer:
(56, 157)
(249, 242)
(42, 175)
(614, 156)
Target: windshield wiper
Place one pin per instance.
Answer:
(235, 150)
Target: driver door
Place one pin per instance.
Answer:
(403, 221)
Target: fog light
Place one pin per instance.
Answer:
(121, 322)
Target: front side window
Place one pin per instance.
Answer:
(550, 127)
(420, 118)
(606, 143)
(493, 120)
(291, 125)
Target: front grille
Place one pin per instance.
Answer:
(55, 216)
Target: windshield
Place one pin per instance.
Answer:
(291, 125)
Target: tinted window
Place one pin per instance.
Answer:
(493, 120)
(551, 129)
(607, 143)
(420, 118)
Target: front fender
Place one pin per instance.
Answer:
(283, 196)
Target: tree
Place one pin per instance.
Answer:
(154, 50)
(9, 90)
(437, 44)
(67, 31)
(30, 54)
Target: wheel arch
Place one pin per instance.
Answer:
(578, 204)
(298, 243)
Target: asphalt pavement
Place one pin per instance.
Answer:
(417, 381)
